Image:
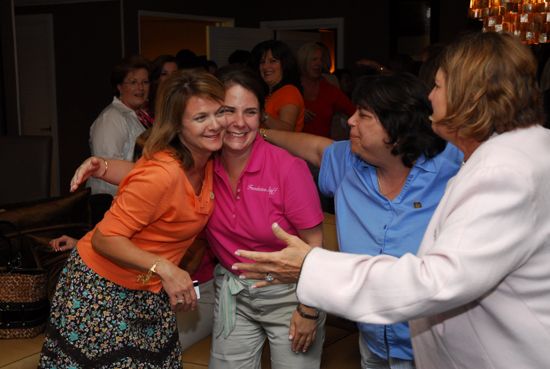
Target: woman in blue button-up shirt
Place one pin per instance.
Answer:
(387, 181)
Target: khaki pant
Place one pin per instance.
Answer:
(263, 313)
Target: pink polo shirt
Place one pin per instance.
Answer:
(274, 187)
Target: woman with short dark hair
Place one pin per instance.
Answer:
(386, 181)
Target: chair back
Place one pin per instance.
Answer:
(25, 164)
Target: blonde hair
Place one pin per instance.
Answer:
(491, 85)
(172, 99)
(305, 54)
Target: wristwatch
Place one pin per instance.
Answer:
(305, 315)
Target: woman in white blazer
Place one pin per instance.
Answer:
(477, 294)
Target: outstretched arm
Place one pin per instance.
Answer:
(304, 145)
(464, 257)
(109, 170)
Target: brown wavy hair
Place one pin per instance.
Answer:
(491, 85)
(171, 103)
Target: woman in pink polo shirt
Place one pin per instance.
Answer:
(255, 184)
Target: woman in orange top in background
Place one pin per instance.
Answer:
(115, 300)
(284, 104)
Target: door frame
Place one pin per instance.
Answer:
(220, 21)
(45, 19)
(307, 24)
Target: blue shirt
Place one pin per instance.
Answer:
(369, 223)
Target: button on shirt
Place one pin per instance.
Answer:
(274, 187)
(369, 223)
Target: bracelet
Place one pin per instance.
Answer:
(305, 315)
(263, 133)
(106, 167)
(144, 278)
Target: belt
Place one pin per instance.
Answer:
(230, 287)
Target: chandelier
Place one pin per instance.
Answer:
(527, 19)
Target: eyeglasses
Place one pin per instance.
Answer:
(135, 83)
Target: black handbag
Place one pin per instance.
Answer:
(24, 305)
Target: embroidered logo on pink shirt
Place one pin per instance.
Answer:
(270, 190)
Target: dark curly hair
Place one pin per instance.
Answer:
(400, 101)
(283, 53)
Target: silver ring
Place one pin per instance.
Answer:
(180, 301)
(269, 277)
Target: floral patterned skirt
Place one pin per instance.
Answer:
(95, 323)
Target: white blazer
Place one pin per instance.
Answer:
(477, 295)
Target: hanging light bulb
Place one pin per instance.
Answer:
(527, 19)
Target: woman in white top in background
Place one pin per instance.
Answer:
(113, 134)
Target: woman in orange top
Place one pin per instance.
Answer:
(115, 299)
(284, 104)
